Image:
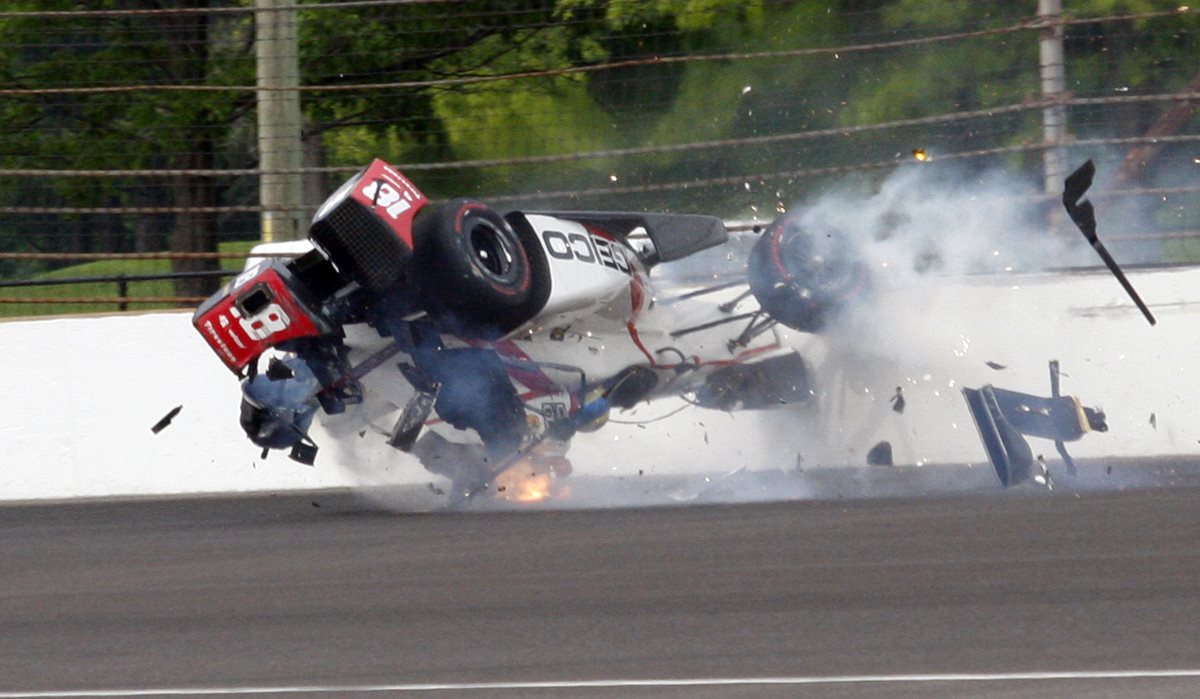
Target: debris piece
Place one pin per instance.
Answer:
(1108, 470)
(1084, 216)
(880, 454)
(1154, 421)
(277, 370)
(304, 452)
(1004, 418)
(996, 366)
(362, 433)
(898, 400)
(166, 420)
(1043, 477)
(314, 503)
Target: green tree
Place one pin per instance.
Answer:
(73, 125)
(496, 119)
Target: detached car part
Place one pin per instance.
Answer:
(1004, 418)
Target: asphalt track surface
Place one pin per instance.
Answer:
(1084, 593)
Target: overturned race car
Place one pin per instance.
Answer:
(510, 332)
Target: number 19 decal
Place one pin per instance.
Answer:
(385, 195)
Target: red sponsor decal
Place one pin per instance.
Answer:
(391, 196)
(257, 311)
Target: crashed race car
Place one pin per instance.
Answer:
(508, 332)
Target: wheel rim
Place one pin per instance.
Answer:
(827, 271)
(492, 252)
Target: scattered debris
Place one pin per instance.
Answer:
(996, 366)
(880, 454)
(166, 420)
(277, 370)
(304, 452)
(898, 400)
(1043, 477)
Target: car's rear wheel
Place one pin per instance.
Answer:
(474, 274)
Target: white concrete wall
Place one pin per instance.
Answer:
(78, 396)
(934, 340)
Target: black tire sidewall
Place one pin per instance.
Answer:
(452, 284)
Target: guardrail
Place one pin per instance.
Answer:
(122, 299)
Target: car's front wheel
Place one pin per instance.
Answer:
(803, 278)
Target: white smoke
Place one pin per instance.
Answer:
(919, 229)
(923, 222)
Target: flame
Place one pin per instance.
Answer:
(523, 484)
(537, 476)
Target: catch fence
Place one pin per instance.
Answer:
(146, 149)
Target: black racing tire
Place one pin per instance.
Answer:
(804, 279)
(473, 273)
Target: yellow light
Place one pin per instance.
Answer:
(920, 154)
(522, 484)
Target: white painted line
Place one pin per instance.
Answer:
(607, 684)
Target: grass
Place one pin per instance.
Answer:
(78, 297)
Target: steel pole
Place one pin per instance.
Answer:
(1052, 67)
(281, 187)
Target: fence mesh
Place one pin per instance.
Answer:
(134, 127)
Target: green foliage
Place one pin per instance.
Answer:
(439, 105)
(1150, 55)
(954, 76)
(81, 128)
(486, 120)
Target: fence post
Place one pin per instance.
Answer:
(281, 187)
(122, 292)
(1052, 68)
